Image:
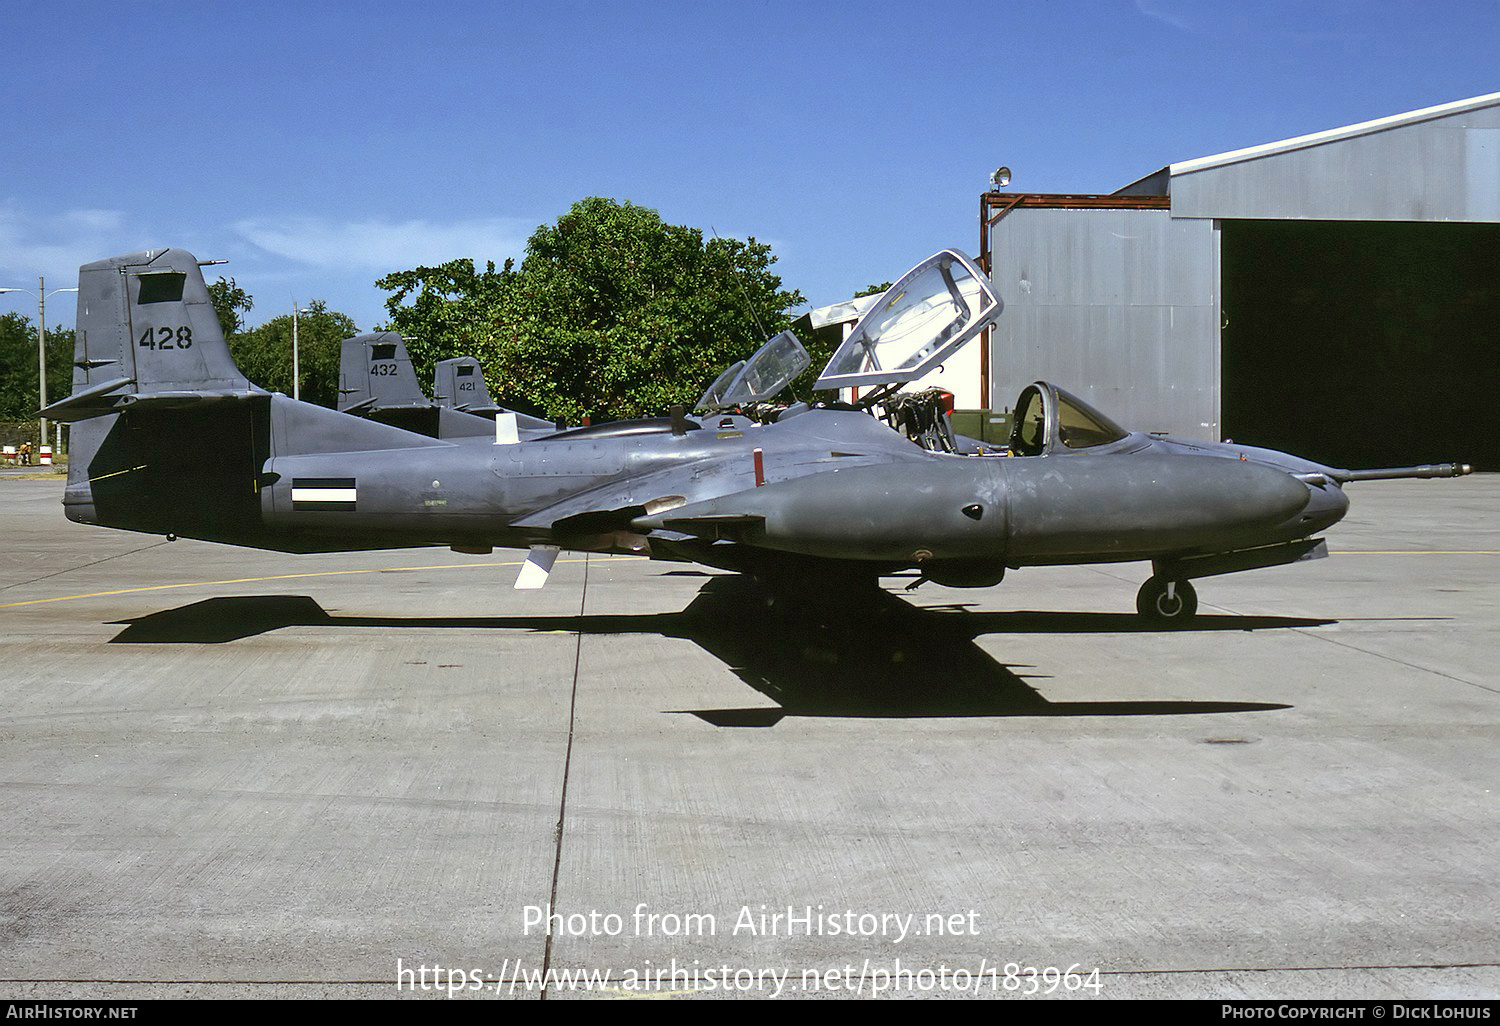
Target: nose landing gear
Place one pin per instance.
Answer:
(1166, 602)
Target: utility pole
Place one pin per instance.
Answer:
(41, 345)
(41, 352)
(296, 368)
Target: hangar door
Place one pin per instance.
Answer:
(1363, 344)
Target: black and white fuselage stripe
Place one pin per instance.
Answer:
(324, 493)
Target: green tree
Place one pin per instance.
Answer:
(229, 300)
(612, 313)
(452, 311)
(18, 394)
(19, 390)
(264, 354)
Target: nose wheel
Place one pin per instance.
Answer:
(1166, 602)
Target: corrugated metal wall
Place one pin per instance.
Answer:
(1125, 306)
(1443, 169)
(1118, 306)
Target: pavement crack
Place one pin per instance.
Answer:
(85, 566)
(562, 809)
(1400, 662)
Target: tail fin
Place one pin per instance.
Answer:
(375, 373)
(169, 437)
(147, 333)
(459, 385)
(377, 381)
(161, 426)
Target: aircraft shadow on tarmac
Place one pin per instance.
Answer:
(878, 657)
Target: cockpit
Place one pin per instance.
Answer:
(933, 311)
(1046, 417)
(774, 366)
(936, 309)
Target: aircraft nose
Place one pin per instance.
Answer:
(1326, 506)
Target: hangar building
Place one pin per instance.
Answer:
(1336, 295)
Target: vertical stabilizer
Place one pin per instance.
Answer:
(147, 339)
(375, 373)
(147, 332)
(167, 432)
(459, 385)
(149, 317)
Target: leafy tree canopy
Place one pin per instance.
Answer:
(613, 313)
(19, 391)
(229, 300)
(264, 354)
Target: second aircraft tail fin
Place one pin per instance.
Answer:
(375, 373)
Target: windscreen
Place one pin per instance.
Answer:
(1080, 426)
(711, 400)
(1029, 436)
(772, 368)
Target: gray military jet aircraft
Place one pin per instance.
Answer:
(377, 381)
(170, 438)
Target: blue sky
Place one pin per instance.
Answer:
(317, 146)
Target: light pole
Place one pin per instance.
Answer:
(296, 366)
(41, 295)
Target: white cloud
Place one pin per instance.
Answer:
(89, 221)
(1277, 21)
(55, 245)
(1179, 16)
(385, 245)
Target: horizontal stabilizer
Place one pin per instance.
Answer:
(106, 400)
(362, 407)
(94, 401)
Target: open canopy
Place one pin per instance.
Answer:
(933, 311)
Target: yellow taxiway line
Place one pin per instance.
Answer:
(276, 577)
(1415, 552)
(474, 566)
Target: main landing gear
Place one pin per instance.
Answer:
(1166, 602)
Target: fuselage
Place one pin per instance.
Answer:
(826, 484)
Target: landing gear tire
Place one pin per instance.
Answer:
(1156, 605)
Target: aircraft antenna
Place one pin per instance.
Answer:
(749, 307)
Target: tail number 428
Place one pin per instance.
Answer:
(166, 338)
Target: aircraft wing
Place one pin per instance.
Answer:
(614, 505)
